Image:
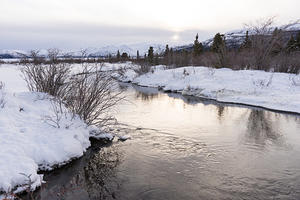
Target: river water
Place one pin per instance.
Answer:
(186, 148)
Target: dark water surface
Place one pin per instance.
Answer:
(185, 148)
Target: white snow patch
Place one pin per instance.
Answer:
(278, 91)
(32, 135)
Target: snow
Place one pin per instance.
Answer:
(277, 91)
(33, 136)
(124, 137)
(130, 49)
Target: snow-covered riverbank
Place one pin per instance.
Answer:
(36, 133)
(277, 91)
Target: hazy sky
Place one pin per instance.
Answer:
(73, 24)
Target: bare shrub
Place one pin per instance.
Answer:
(266, 41)
(286, 62)
(208, 59)
(142, 69)
(92, 94)
(53, 55)
(263, 83)
(59, 114)
(51, 78)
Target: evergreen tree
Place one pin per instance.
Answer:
(137, 55)
(118, 55)
(198, 47)
(167, 51)
(150, 55)
(167, 55)
(124, 56)
(218, 43)
(247, 42)
(291, 45)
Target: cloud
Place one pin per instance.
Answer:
(27, 24)
(80, 35)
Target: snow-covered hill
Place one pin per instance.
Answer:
(92, 51)
(236, 37)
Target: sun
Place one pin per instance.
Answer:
(175, 37)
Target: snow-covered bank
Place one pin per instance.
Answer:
(36, 133)
(277, 91)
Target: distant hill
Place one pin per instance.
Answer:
(235, 38)
(92, 51)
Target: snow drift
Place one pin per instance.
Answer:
(36, 133)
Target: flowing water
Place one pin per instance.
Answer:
(186, 148)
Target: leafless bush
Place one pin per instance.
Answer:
(262, 41)
(208, 59)
(53, 55)
(211, 71)
(58, 115)
(263, 83)
(143, 69)
(266, 40)
(51, 78)
(92, 94)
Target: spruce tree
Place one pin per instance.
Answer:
(291, 45)
(247, 42)
(118, 55)
(150, 55)
(167, 51)
(137, 55)
(124, 56)
(198, 47)
(218, 43)
(167, 55)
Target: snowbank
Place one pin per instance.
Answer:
(36, 133)
(278, 91)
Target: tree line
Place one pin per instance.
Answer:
(263, 47)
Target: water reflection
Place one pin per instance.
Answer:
(99, 174)
(261, 129)
(92, 177)
(220, 111)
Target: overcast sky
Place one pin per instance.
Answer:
(74, 24)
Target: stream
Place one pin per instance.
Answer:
(186, 148)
